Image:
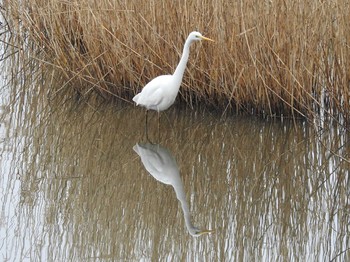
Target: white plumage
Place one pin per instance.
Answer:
(161, 164)
(160, 93)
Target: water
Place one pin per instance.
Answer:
(73, 187)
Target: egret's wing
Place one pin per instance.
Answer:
(153, 93)
(151, 159)
(159, 162)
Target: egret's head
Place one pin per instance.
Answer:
(196, 232)
(196, 36)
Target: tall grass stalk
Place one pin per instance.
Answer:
(272, 57)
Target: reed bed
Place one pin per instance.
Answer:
(270, 57)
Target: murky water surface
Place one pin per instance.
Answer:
(82, 183)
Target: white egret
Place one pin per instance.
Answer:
(159, 162)
(160, 93)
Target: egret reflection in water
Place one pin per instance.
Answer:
(160, 163)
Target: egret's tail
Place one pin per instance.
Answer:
(136, 99)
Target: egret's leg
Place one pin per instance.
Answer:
(146, 128)
(158, 126)
(167, 118)
(170, 125)
(146, 125)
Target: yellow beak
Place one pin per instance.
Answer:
(206, 38)
(206, 231)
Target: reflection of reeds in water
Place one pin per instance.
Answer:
(270, 190)
(270, 57)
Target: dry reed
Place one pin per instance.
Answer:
(270, 57)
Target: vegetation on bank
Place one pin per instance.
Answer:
(271, 57)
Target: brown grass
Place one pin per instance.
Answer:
(271, 57)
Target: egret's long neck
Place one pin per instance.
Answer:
(187, 217)
(181, 196)
(180, 69)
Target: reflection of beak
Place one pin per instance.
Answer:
(206, 231)
(206, 38)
